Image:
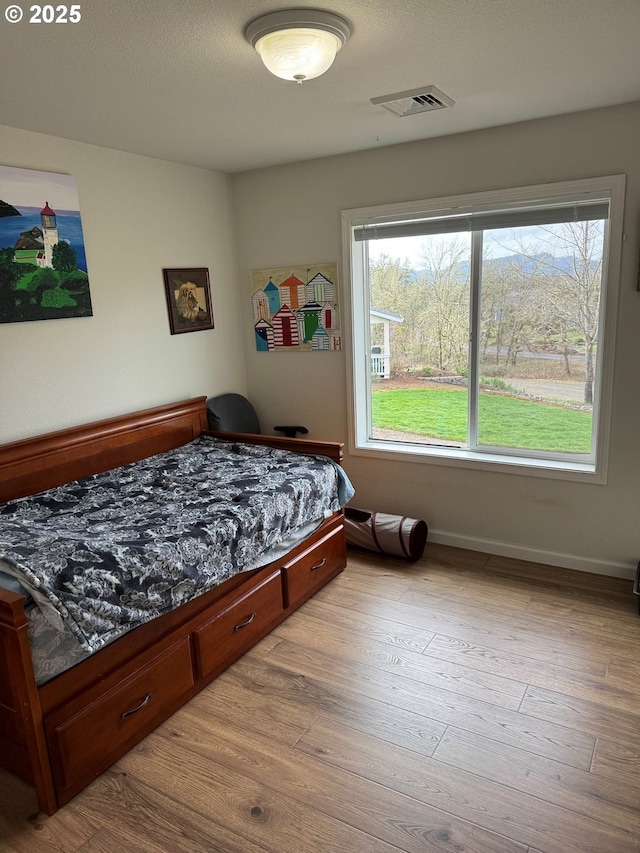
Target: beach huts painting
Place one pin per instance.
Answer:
(296, 308)
(43, 268)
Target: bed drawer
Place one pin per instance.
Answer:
(229, 634)
(313, 568)
(86, 742)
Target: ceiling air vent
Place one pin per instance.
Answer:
(416, 101)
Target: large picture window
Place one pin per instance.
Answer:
(482, 325)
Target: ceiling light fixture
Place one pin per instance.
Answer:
(298, 44)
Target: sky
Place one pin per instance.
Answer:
(30, 188)
(497, 242)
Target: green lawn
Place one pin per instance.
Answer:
(504, 421)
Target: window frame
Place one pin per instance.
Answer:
(355, 264)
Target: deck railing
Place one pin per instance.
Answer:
(380, 364)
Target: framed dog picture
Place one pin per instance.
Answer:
(188, 299)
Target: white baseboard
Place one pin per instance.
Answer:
(534, 555)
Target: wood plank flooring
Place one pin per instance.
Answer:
(462, 704)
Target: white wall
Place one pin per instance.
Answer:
(138, 216)
(291, 215)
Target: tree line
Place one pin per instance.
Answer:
(544, 296)
(28, 292)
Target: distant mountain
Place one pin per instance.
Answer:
(7, 209)
(542, 259)
(528, 264)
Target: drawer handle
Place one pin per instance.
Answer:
(135, 710)
(319, 565)
(245, 623)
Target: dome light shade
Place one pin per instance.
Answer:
(299, 54)
(298, 44)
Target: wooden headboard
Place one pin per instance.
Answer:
(34, 464)
(46, 461)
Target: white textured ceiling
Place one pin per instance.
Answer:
(175, 79)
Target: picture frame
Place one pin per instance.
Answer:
(296, 308)
(188, 294)
(45, 276)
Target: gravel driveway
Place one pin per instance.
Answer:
(566, 391)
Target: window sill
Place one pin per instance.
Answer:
(397, 451)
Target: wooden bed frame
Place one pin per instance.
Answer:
(62, 735)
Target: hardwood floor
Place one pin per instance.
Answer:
(462, 704)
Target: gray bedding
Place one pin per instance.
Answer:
(54, 650)
(105, 554)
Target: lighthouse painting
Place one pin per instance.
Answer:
(43, 266)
